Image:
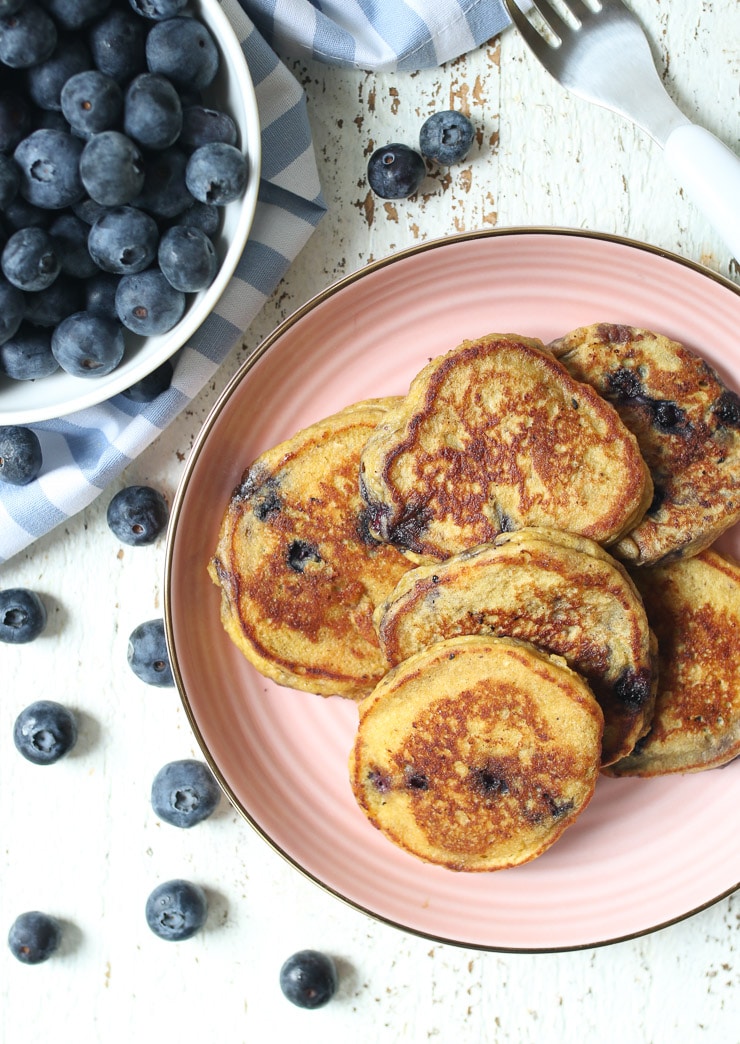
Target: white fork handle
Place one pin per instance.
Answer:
(710, 173)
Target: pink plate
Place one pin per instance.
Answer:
(632, 862)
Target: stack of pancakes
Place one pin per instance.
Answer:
(510, 570)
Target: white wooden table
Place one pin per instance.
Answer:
(80, 840)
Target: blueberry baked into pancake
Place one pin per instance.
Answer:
(687, 423)
(476, 753)
(694, 607)
(560, 592)
(493, 436)
(300, 575)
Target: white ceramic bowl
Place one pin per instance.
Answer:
(24, 402)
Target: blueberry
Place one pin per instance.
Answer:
(45, 80)
(151, 386)
(12, 308)
(152, 112)
(187, 258)
(395, 171)
(217, 173)
(446, 137)
(300, 553)
(183, 50)
(147, 654)
(27, 37)
(309, 979)
(137, 515)
(176, 910)
(112, 169)
(44, 732)
(117, 44)
(148, 304)
(34, 937)
(87, 345)
(158, 9)
(165, 194)
(48, 307)
(22, 616)
(27, 355)
(8, 7)
(20, 456)
(123, 240)
(201, 126)
(184, 793)
(91, 102)
(75, 14)
(10, 180)
(29, 259)
(727, 409)
(49, 163)
(670, 418)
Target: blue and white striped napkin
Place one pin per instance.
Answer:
(85, 451)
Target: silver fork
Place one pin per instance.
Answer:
(601, 54)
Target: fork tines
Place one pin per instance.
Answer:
(551, 24)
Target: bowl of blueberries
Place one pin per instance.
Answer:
(129, 171)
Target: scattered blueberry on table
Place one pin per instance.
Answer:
(176, 910)
(22, 615)
(137, 515)
(184, 793)
(20, 454)
(395, 171)
(34, 937)
(309, 979)
(446, 137)
(44, 732)
(147, 654)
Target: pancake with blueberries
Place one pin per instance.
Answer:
(694, 607)
(477, 753)
(687, 423)
(300, 575)
(558, 591)
(494, 436)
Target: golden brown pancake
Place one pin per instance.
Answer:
(495, 436)
(694, 607)
(300, 574)
(561, 592)
(477, 753)
(687, 423)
